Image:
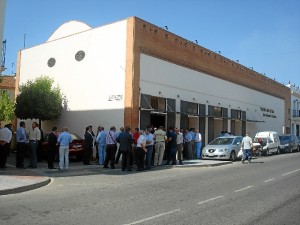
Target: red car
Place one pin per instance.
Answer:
(76, 147)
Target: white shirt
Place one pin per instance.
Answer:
(247, 142)
(35, 134)
(5, 135)
(179, 139)
(198, 137)
(140, 141)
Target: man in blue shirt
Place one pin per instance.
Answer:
(21, 145)
(64, 140)
(101, 140)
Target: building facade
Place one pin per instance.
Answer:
(134, 73)
(295, 109)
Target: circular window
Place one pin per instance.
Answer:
(80, 55)
(51, 62)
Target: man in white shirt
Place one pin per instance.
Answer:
(34, 138)
(5, 139)
(198, 144)
(246, 146)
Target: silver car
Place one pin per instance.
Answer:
(226, 147)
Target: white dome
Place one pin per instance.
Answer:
(69, 28)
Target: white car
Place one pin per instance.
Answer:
(226, 147)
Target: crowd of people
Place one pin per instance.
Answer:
(145, 148)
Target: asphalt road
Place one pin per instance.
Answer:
(266, 191)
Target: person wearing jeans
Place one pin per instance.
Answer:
(247, 147)
(64, 140)
(101, 140)
(198, 144)
(149, 147)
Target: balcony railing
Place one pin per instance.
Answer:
(296, 113)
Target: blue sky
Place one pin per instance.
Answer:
(263, 34)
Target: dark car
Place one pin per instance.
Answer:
(288, 143)
(76, 147)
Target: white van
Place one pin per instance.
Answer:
(269, 141)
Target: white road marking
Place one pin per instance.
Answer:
(269, 180)
(243, 189)
(290, 172)
(153, 217)
(211, 199)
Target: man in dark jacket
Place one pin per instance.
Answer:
(89, 144)
(52, 141)
(126, 140)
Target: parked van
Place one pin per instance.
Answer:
(269, 141)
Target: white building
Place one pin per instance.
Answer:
(134, 73)
(295, 109)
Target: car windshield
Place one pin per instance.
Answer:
(74, 137)
(222, 141)
(284, 139)
(261, 141)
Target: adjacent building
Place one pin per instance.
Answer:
(134, 73)
(295, 109)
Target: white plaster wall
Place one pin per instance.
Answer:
(173, 80)
(89, 83)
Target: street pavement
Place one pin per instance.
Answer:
(15, 180)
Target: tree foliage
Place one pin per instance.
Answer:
(6, 107)
(37, 99)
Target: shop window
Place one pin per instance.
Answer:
(158, 103)
(192, 108)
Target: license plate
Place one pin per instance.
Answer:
(211, 154)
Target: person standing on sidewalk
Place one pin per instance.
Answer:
(101, 141)
(246, 146)
(172, 139)
(149, 146)
(179, 148)
(5, 139)
(111, 148)
(21, 145)
(198, 144)
(140, 151)
(126, 140)
(88, 145)
(188, 145)
(160, 144)
(64, 140)
(34, 138)
(52, 141)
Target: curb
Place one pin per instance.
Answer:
(46, 180)
(204, 165)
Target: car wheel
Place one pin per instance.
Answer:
(232, 156)
(266, 153)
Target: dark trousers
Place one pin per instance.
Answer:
(4, 150)
(21, 148)
(172, 155)
(51, 156)
(87, 155)
(140, 157)
(126, 160)
(149, 154)
(110, 155)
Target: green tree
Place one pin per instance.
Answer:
(6, 107)
(39, 100)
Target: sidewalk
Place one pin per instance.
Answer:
(14, 180)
